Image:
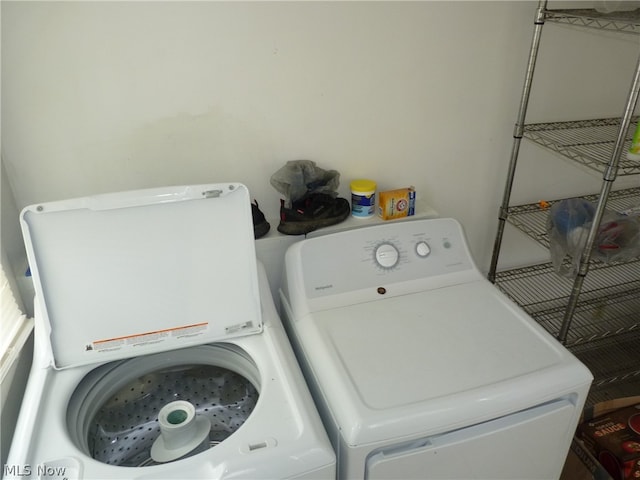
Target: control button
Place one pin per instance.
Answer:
(387, 255)
(423, 249)
(446, 243)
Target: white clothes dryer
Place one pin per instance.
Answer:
(158, 349)
(419, 366)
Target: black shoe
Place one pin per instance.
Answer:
(260, 224)
(313, 211)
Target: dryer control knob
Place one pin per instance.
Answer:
(387, 255)
(423, 249)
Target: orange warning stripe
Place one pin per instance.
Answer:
(149, 333)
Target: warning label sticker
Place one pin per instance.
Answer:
(147, 338)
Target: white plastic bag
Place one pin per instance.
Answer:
(618, 237)
(297, 178)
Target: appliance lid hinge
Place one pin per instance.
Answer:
(236, 328)
(212, 193)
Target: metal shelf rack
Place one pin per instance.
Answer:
(596, 314)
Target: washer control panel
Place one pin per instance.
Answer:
(381, 255)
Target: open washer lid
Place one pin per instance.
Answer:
(132, 273)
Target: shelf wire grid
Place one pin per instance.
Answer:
(614, 365)
(532, 218)
(605, 332)
(609, 302)
(627, 388)
(539, 288)
(586, 142)
(624, 22)
(596, 318)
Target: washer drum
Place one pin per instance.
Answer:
(113, 414)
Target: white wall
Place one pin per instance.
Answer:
(106, 96)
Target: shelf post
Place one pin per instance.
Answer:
(517, 135)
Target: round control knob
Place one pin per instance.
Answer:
(423, 249)
(387, 255)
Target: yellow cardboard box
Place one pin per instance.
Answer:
(397, 203)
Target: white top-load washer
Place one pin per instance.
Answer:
(158, 350)
(419, 366)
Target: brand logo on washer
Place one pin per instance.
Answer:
(324, 287)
